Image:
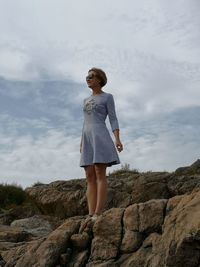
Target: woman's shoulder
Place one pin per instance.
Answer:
(108, 95)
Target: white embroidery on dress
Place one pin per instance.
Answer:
(89, 106)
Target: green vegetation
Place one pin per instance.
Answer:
(11, 195)
(38, 183)
(124, 170)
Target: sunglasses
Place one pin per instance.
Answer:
(90, 77)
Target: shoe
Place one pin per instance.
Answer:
(94, 217)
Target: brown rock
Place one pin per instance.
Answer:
(151, 239)
(150, 232)
(107, 235)
(46, 253)
(136, 259)
(110, 263)
(61, 198)
(131, 218)
(151, 215)
(131, 241)
(145, 217)
(65, 257)
(12, 256)
(79, 259)
(188, 170)
(80, 241)
(179, 243)
(150, 186)
(13, 234)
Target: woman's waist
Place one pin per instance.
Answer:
(94, 125)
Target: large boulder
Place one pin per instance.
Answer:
(36, 225)
(61, 198)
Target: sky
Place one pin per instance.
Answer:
(150, 52)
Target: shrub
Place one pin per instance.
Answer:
(11, 194)
(125, 169)
(38, 183)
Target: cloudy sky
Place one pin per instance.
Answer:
(150, 51)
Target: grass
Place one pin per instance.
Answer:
(11, 194)
(125, 169)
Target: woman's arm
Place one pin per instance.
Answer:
(114, 122)
(118, 143)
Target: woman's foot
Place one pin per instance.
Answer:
(95, 216)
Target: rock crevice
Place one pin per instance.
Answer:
(155, 224)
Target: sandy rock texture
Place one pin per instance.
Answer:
(152, 220)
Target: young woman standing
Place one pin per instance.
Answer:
(98, 151)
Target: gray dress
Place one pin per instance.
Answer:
(97, 144)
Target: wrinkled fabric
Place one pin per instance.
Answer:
(97, 144)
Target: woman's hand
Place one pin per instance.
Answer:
(119, 145)
(80, 147)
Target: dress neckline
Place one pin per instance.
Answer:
(98, 94)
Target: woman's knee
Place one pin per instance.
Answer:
(100, 170)
(90, 174)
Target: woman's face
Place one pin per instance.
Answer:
(92, 80)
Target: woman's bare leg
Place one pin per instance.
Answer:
(91, 192)
(100, 170)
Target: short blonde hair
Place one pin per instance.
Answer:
(101, 75)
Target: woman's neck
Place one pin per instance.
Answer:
(96, 91)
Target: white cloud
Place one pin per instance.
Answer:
(52, 156)
(150, 52)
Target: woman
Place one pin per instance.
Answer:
(97, 148)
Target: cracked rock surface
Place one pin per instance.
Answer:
(152, 220)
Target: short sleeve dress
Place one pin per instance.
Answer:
(97, 144)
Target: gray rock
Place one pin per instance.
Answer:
(36, 225)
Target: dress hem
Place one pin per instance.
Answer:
(109, 164)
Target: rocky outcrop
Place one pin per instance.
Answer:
(156, 226)
(65, 199)
(62, 199)
(154, 233)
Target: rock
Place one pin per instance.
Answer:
(2, 262)
(47, 252)
(15, 254)
(110, 263)
(138, 217)
(147, 222)
(136, 259)
(17, 212)
(183, 184)
(156, 224)
(13, 234)
(79, 259)
(65, 257)
(179, 244)
(36, 225)
(188, 170)
(65, 199)
(131, 241)
(61, 198)
(151, 239)
(150, 234)
(80, 241)
(107, 235)
(150, 186)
